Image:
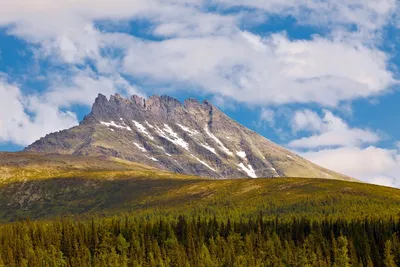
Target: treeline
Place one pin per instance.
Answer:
(129, 241)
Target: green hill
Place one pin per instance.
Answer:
(47, 185)
(102, 211)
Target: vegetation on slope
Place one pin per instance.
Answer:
(129, 241)
(287, 197)
(28, 166)
(107, 212)
(50, 185)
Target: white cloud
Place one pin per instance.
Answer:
(18, 125)
(25, 118)
(170, 16)
(306, 120)
(267, 116)
(264, 71)
(223, 102)
(329, 130)
(209, 50)
(335, 145)
(372, 164)
(367, 14)
(83, 86)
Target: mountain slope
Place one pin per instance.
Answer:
(192, 138)
(28, 166)
(47, 185)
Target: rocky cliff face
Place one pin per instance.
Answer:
(191, 138)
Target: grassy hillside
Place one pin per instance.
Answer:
(45, 186)
(127, 214)
(29, 166)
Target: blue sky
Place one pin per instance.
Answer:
(318, 77)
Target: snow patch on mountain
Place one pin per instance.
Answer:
(152, 158)
(207, 146)
(221, 145)
(113, 124)
(140, 147)
(171, 136)
(142, 129)
(148, 124)
(202, 162)
(163, 149)
(241, 154)
(160, 147)
(187, 129)
(249, 170)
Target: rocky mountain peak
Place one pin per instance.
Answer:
(191, 138)
(139, 101)
(100, 99)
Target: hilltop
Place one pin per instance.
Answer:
(47, 185)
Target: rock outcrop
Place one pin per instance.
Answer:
(191, 138)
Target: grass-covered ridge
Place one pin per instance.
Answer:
(45, 186)
(28, 166)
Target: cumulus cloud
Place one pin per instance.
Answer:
(83, 86)
(333, 144)
(328, 130)
(210, 51)
(25, 118)
(371, 164)
(270, 70)
(367, 14)
(306, 120)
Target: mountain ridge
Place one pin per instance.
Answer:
(190, 138)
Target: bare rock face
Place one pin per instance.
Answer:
(191, 138)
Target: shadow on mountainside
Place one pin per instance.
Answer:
(284, 197)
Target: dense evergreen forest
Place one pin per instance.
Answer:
(202, 241)
(145, 218)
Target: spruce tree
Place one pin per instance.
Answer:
(389, 257)
(342, 255)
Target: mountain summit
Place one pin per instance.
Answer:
(192, 138)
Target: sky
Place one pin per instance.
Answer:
(319, 77)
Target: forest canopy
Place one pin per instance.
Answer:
(200, 241)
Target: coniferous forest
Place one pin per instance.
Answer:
(201, 241)
(152, 219)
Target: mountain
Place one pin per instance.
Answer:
(44, 186)
(190, 138)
